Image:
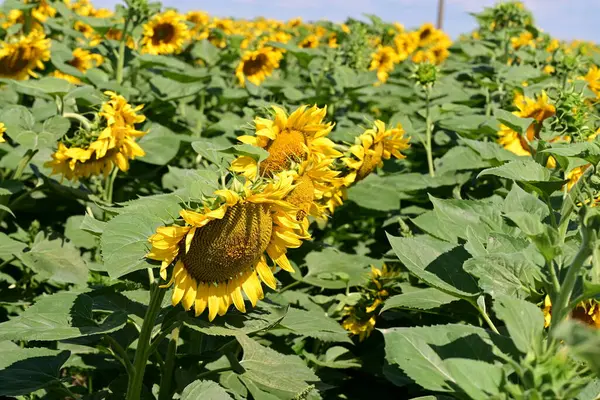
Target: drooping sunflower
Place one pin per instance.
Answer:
(20, 56)
(372, 147)
(98, 151)
(165, 33)
(83, 60)
(538, 109)
(587, 311)
(383, 60)
(288, 139)
(257, 65)
(222, 251)
(593, 79)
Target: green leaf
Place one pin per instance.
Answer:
(313, 324)
(77, 235)
(332, 269)
(428, 356)
(56, 261)
(583, 341)
(519, 200)
(25, 370)
(124, 243)
(422, 299)
(9, 247)
(205, 390)
(199, 182)
(160, 144)
(63, 315)
(92, 225)
(461, 158)
(206, 51)
(479, 380)
(387, 198)
(336, 357)
(505, 274)
(45, 85)
(285, 376)
(524, 321)
(490, 150)
(521, 171)
(519, 125)
(437, 263)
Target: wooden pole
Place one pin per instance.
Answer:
(440, 14)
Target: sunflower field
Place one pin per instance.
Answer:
(196, 207)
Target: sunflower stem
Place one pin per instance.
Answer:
(110, 183)
(428, 135)
(167, 373)
(121, 54)
(24, 163)
(120, 353)
(134, 386)
(84, 121)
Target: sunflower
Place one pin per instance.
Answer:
(113, 145)
(372, 147)
(383, 60)
(539, 110)
(165, 33)
(2, 130)
(587, 311)
(593, 79)
(83, 60)
(257, 65)
(309, 42)
(221, 251)
(288, 139)
(524, 39)
(406, 44)
(20, 56)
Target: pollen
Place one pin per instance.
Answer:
(225, 248)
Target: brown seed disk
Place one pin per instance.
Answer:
(224, 248)
(287, 147)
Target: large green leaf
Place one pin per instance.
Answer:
(160, 145)
(519, 200)
(77, 235)
(205, 390)
(437, 263)
(583, 341)
(25, 370)
(332, 269)
(422, 299)
(60, 316)
(56, 261)
(312, 324)
(524, 321)
(387, 197)
(285, 376)
(521, 171)
(515, 123)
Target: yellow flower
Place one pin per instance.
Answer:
(2, 130)
(553, 46)
(524, 39)
(549, 70)
(120, 113)
(372, 147)
(257, 65)
(309, 42)
(165, 33)
(539, 110)
(360, 328)
(21, 56)
(426, 34)
(220, 252)
(288, 139)
(383, 61)
(406, 44)
(83, 60)
(587, 312)
(593, 79)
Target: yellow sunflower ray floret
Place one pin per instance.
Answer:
(220, 253)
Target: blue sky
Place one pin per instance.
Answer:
(565, 19)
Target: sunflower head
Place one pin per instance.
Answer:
(2, 130)
(289, 140)
(222, 251)
(372, 147)
(383, 60)
(593, 79)
(20, 56)
(165, 33)
(256, 66)
(587, 311)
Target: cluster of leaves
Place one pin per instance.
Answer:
(472, 244)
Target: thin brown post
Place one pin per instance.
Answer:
(440, 14)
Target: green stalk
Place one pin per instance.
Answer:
(24, 163)
(134, 386)
(110, 183)
(167, 373)
(121, 54)
(561, 308)
(428, 136)
(486, 318)
(84, 121)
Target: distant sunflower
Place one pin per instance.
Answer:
(539, 110)
(523, 40)
(593, 79)
(83, 60)
(383, 60)
(288, 139)
(587, 311)
(257, 65)
(2, 130)
(220, 252)
(372, 147)
(309, 42)
(165, 33)
(20, 56)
